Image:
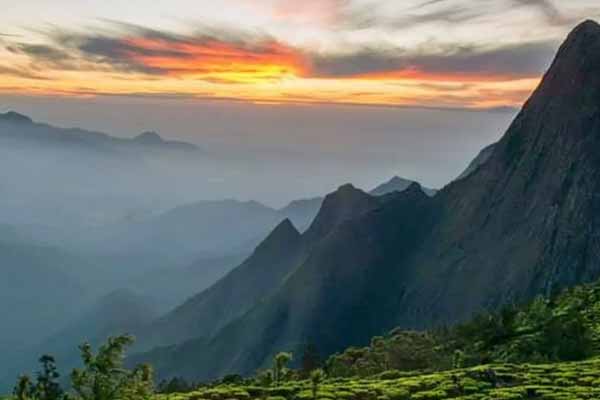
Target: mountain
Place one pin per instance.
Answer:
(21, 128)
(397, 184)
(235, 294)
(302, 212)
(263, 274)
(524, 223)
(256, 278)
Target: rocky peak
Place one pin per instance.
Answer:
(576, 66)
(345, 203)
(281, 237)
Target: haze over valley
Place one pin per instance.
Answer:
(353, 200)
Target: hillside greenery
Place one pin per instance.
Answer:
(564, 327)
(556, 381)
(547, 349)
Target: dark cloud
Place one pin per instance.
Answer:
(20, 73)
(43, 54)
(369, 16)
(521, 60)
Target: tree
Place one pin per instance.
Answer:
(46, 386)
(174, 385)
(310, 360)
(316, 378)
(265, 378)
(281, 361)
(103, 376)
(24, 388)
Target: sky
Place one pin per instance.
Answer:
(343, 90)
(434, 53)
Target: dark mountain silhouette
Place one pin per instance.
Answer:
(32, 133)
(522, 223)
(302, 212)
(298, 210)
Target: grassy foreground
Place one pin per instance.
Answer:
(564, 381)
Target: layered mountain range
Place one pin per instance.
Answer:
(523, 221)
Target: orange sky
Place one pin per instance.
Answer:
(327, 51)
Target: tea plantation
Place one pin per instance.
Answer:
(557, 381)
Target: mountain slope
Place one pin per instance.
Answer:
(207, 312)
(522, 224)
(260, 275)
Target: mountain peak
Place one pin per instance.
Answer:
(15, 117)
(285, 227)
(574, 72)
(149, 137)
(345, 203)
(588, 25)
(398, 184)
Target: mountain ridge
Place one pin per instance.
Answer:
(523, 223)
(45, 133)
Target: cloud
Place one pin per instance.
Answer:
(217, 56)
(549, 10)
(45, 56)
(454, 63)
(221, 56)
(20, 73)
(430, 12)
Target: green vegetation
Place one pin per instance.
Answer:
(103, 377)
(548, 349)
(563, 328)
(557, 381)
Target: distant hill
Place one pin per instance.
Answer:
(21, 128)
(398, 184)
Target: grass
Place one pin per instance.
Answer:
(557, 381)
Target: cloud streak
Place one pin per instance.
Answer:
(226, 57)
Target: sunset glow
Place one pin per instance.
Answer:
(322, 52)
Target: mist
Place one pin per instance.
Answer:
(131, 222)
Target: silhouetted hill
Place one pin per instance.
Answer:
(20, 128)
(398, 184)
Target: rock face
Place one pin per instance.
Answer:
(524, 222)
